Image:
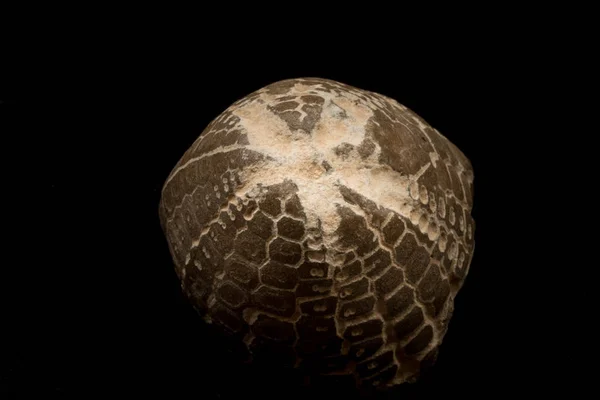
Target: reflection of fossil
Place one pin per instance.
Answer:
(323, 226)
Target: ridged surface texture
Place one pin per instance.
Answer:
(323, 227)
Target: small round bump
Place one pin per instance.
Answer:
(451, 216)
(442, 207)
(433, 230)
(415, 216)
(356, 332)
(443, 242)
(413, 190)
(432, 203)
(349, 312)
(423, 223)
(453, 251)
(461, 259)
(423, 195)
(320, 307)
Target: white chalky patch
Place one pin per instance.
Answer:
(299, 156)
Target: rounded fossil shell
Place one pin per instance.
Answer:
(323, 227)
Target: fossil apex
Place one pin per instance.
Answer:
(325, 228)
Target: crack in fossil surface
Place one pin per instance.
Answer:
(326, 227)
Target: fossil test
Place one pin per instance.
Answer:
(323, 227)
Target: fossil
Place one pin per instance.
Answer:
(323, 227)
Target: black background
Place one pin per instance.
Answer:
(94, 305)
